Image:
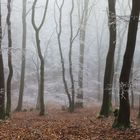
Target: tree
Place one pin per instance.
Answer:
(9, 79)
(83, 18)
(42, 63)
(109, 69)
(2, 86)
(131, 85)
(117, 65)
(120, 37)
(99, 48)
(23, 58)
(123, 120)
(139, 108)
(70, 92)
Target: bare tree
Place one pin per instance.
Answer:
(99, 54)
(2, 86)
(109, 69)
(70, 92)
(83, 19)
(23, 58)
(8, 105)
(40, 55)
(120, 37)
(117, 65)
(123, 120)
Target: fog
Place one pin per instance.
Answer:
(96, 43)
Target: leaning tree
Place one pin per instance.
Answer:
(123, 120)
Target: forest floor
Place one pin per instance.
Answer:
(61, 125)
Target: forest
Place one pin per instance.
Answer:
(69, 70)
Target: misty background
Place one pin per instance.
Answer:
(96, 47)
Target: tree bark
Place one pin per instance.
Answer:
(70, 92)
(9, 79)
(41, 85)
(109, 69)
(131, 86)
(117, 67)
(83, 23)
(71, 107)
(139, 108)
(23, 58)
(42, 63)
(59, 33)
(2, 86)
(123, 120)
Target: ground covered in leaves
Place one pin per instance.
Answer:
(60, 125)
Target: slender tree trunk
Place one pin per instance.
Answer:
(99, 44)
(42, 63)
(109, 69)
(123, 120)
(38, 96)
(23, 59)
(83, 24)
(59, 33)
(2, 86)
(8, 105)
(71, 108)
(70, 92)
(41, 84)
(99, 75)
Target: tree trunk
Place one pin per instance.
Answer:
(83, 23)
(38, 95)
(123, 120)
(99, 76)
(41, 81)
(117, 67)
(23, 59)
(9, 79)
(139, 108)
(59, 33)
(42, 105)
(2, 86)
(72, 107)
(42, 63)
(131, 86)
(109, 69)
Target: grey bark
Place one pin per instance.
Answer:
(2, 85)
(40, 55)
(70, 92)
(83, 24)
(9, 79)
(23, 58)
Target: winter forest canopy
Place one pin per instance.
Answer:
(72, 55)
